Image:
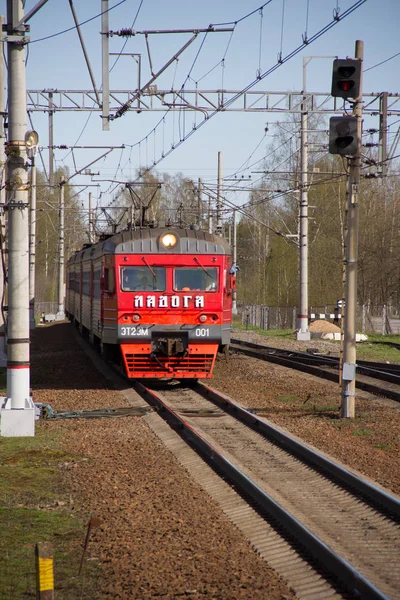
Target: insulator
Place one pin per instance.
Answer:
(126, 32)
(121, 111)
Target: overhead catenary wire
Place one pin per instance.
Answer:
(279, 63)
(182, 138)
(381, 63)
(48, 37)
(153, 130)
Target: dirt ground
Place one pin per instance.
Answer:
(309, 408)
(161, 535)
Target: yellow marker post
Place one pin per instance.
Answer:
(44, 571)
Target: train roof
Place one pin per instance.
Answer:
(148, 241)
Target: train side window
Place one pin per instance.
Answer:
(86, 283)
(107, 283)
(96, 283)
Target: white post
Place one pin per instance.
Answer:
(17, 415)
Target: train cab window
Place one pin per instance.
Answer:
(143, 279)
(196, 278)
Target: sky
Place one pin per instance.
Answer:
(262, 35)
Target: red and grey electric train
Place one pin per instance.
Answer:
(158, 301)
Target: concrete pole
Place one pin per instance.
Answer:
(219, 196)
(51, 144)
(32, 245)
(90, 219)
(210, 216)
(383, 132)
(3, 356)
(61, 309)
(303, 332)
(199, 201)
(17, 413)
(349, 328)
(234, 261)
(105, 66)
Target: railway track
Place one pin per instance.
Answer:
(327, 367)
(330, 533)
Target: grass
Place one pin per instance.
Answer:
(362, 432)
(34, 509)
(376, 350)
(288, 399)
(383, 446)
(237, 324)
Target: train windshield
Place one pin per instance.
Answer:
(143, 279)
(196, 278)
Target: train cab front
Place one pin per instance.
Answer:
(170, 318)
(168, 353)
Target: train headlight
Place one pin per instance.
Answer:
(136, 318)
(203, 318)
(169, 240)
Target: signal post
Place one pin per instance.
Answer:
(345, 139)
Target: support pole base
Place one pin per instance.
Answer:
(17, 422)
(303, 336)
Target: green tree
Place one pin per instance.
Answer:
(47, 233)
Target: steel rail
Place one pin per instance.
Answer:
(344, 574)
(372, 493)
(389, 369)
(301, 362)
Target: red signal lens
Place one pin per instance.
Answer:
(346, 86)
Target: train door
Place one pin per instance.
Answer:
(229, 284)
(109, 311)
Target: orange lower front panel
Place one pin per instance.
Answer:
(197, 363)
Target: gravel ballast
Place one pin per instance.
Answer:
(161, 535)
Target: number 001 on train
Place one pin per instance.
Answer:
(157, 301)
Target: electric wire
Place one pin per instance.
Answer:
(282, 29)
(74, 27)
(182, 139)
(381, 63)
(242, 18)
(279, 63)
(115, 62)
(126, 41)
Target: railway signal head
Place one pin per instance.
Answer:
(346, 78)
(343, 136)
